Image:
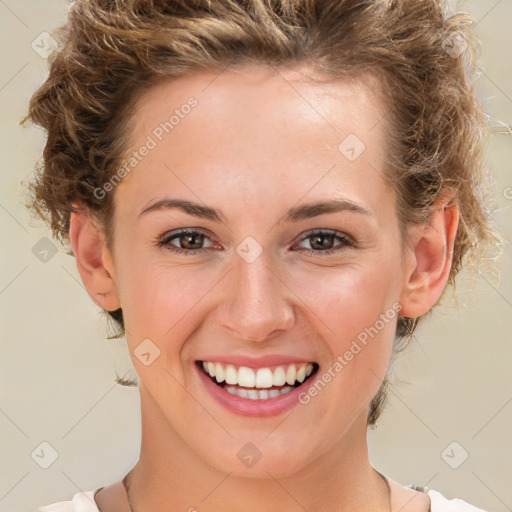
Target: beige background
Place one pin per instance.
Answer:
(57, 373)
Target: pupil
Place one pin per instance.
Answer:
(189, 237)
(321, 237)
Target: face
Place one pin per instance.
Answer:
(263, 287)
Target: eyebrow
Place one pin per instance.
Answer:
(294, 214)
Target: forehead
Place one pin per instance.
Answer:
(264, 93)
(258, 128)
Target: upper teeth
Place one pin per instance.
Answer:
(260, 378)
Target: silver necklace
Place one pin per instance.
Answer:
(127, 490)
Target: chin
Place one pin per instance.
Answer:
(260, 458)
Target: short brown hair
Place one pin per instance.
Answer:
(112, 51)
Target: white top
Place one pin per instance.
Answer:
(84, 502)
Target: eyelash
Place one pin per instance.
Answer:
(165, 242)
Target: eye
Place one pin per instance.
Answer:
(189, 241)
(322, 242)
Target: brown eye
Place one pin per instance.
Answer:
(191, 241)
(188, 241)
(322, 242)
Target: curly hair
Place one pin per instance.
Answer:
(112, 51)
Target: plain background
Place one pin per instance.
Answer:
(448, 423)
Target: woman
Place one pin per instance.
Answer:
(267, 197)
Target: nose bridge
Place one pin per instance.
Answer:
(257, 304)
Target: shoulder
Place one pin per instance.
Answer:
(417, 498)
(442, 504)
(81, 502)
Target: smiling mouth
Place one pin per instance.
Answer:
(261, 383)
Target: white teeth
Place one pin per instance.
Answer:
(301, 373)
(279, 377)
(219, 372)
(263, 394)
(246, 377)
(262, 378)
(291, 374)
(254, 394)
(231, 375)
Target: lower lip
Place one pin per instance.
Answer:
(245, 406)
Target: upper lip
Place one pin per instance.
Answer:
(257, 362)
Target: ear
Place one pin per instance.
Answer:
(93, 260)
(429, 259)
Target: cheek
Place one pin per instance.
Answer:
(355, 312)
(161, 303)
(165, 303)
(348, 300)
(157, 295)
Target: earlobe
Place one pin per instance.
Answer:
(429, 260)
(93, 261)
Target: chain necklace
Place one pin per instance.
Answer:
(389, 491)
(127, 490)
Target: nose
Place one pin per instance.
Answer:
(257, 302)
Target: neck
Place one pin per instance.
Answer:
(170, 472)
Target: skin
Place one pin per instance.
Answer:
(258, 143)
